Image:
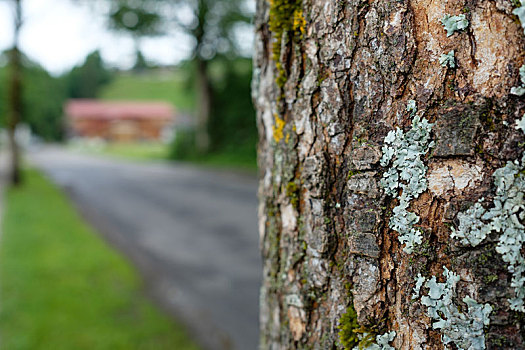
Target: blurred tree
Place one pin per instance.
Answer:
(14, 111)
(140, 63)
(43, 98)
(232, 127)
(137, 18)
(211, 23)
(85, 81)
(213, 29)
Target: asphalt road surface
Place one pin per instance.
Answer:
(191, 232)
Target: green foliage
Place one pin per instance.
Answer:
(86, 80)
(135, 17)
(232, 126)
(63, 288)
(183, 146)
(42, 98)
(211, 23)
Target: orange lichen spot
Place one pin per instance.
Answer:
(278, 129)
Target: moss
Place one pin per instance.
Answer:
(486, 117)
(498, 340)
(351, 333)
(348, 337)
(425, 249)
(351, 173)
(292, 192)
(286, 17)
(491, 278)
(483, 259)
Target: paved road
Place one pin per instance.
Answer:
(192, 233)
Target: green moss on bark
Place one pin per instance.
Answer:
(286, 17)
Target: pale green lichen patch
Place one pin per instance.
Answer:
(505, 216)
(472, 231)
(520, 90)
(454, 23)
(520, 124)
(520, 12)
(464, 329)
(382, 342)
(411, 107)
(402, 155)
(448, 60)
(419, 283)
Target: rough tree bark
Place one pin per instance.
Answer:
(15, 97)
(332, 79)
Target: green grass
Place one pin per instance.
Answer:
(137, 151)
(152, 86)
(131, 151)
(225, 161)
(62, 287)
(158, 151)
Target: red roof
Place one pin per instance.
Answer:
(95, 109)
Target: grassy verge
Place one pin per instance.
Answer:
(225, 161)
(130, 151)
(62, 287)
(158, 151)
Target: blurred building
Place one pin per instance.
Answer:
(119, 121)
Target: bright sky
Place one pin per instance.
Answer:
(58, 34)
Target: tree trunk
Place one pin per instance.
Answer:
(204, 94)
(373, 238)
(203, 105)
(15, 98)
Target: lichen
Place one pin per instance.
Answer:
(454, 23)
(472, 231)
(286, 16)
(402, 155)
(520, 124)
(382, 342)
(419, 283)
(464, 329)
(278, 128)
(505, 216)
(520, 90)
(411, 107)
(448, 60)
(520, 12)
